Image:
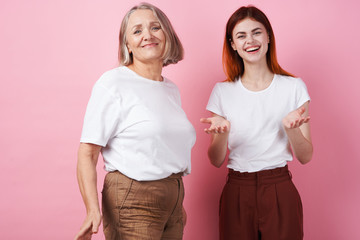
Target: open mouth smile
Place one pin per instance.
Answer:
(252, 49)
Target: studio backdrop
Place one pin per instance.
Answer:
(52, 52)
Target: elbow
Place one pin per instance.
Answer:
(216, 163)
(305, 158)
(304, 161)
(215, 160)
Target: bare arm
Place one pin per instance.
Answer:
(88, 155)
(219, 130)
(297, 128)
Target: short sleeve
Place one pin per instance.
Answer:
(214, 103)
(302, 94)
(176, 94)
(101, 117)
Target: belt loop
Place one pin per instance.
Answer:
(290, 174)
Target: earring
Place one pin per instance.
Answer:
(128, 49)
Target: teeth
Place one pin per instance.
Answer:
(252, 49)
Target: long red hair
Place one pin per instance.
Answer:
(232, 63)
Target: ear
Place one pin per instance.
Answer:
(232, 45)
(129, 50)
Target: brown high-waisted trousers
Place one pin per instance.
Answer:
(142, 210)
(262, 205)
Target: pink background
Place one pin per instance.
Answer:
(52, 52)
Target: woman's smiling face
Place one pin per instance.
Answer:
(145, 37)
(250, 39)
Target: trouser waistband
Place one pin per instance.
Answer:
(265, 176)
(176, 175)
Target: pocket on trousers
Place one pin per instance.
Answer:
(115, 191)
(222, 196)
(297, 194)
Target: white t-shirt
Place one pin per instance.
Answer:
(257, 140)
(140, 124)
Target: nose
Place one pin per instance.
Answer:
(250, 38)
(147, 34)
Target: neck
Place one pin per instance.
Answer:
(256, 72)
(148, 70)
(257, 77)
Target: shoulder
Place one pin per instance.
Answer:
(114, 76)
(171, 86)
(116, 79)
(113, 81)
(169, 83)
(224, 86)
(288, 81)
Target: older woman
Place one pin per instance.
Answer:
(134, 118)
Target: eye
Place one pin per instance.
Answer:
(137, 31)
(241, 36)
(257, 33)
(156, 28)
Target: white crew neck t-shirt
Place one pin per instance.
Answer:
(257, 140)
(140, 124)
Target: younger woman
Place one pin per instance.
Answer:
(260, 113)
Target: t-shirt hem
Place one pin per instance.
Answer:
(261, 169)
(217, 112)
(303, 101)
(96, 142)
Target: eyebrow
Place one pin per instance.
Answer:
(139, 25)
(254, 30)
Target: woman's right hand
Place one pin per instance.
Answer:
(219, 130)
(89, 227)
(88, 155)
(217, 123)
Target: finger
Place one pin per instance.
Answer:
(95, 228)
(205, 120)
(212, 132)
(298, 123)
(85, 230)
(220, 129)
(209, 131)
(292, 124)
(301, 110)
(301, 122)
(212, 128)
(83, 234)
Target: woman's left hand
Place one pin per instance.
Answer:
(295, 118)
